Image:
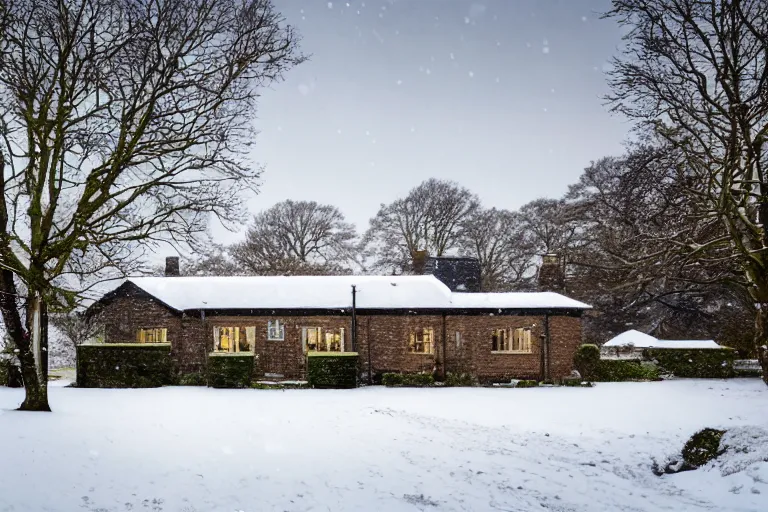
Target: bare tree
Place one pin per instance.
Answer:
(124, 124)
(428, 219)
(497, 239)
(626, 207)
(78, 327)
(549, 228)
(298, 237)
(694, 72)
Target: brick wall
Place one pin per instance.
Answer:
(386, 336)
(474, 351)
(125, 315)
(565, 338)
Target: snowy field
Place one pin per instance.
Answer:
(549, 449)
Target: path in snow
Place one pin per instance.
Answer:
(549, 449)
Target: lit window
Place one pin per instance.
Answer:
(317, 339)
(275, 330)
(233, 339)
(152, 336)
(511, 340)
(422, 341)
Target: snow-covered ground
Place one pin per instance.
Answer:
(198, 449)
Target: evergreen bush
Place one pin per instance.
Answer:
(407, 379)
(586, 360)
(230, 370)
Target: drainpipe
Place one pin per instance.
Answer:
(354, 318)
(548, 345)
(444, 344)
(368, 338)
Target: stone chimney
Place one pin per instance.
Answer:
(457, 273)
(419, 259)
(172, 266)
(551, 274)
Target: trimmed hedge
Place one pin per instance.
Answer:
(527, 384)
(191, 379)
(332, 370)
(694, 363)
(230, 369)
(124, 365)
(407, 379)
(586, 360)
(459, 380)
(615, 370)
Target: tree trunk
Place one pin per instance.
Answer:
(33, 357)
(761, 337)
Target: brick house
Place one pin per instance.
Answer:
(394, 323)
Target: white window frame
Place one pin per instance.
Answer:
(277, 325)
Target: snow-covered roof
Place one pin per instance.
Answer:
(633, 338)
(687, 344)
(638, 339)
(332, 292)
(544, 300)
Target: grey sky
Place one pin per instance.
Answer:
(502, 96)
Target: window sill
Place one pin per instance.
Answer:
(231, 354)
(515, 352)
(275, 339)
(421, 353)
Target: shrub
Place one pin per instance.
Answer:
(192, 379)
(611, 370)
(124, 365)
(407, 379)
(459, 379)
(332, 370)
(230, 370)
(527, 384)
(586, 360)
(694, 363)
(702, 447)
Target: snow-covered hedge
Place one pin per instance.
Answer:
(230, 370)
(124, 365)
(332, 370)
(694, 363)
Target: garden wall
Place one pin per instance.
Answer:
(124, 365)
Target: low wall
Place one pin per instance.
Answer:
(124, 365)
